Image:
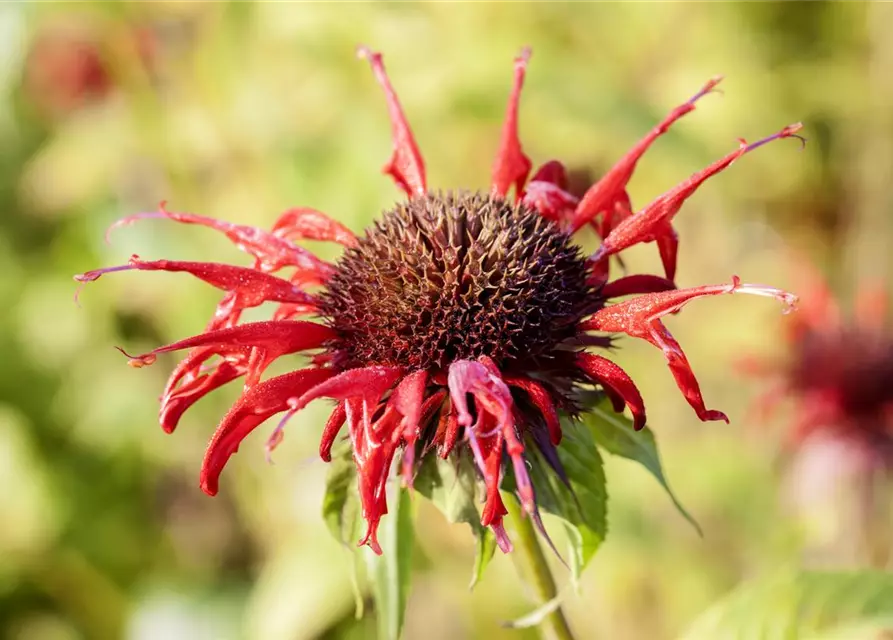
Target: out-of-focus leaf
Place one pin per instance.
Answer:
(583, 506)
(341, 511)
(450, 486)
(340, 505)
(799, 605)
(614, 433)
(390, 573)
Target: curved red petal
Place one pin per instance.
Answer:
(511, 165)
(601, 196)
(406, 165)
(305, 223)
(255, 406)
(613, 378)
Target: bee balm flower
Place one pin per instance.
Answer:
(458, 320)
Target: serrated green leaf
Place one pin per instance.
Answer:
(800, 605)
(391, 572)
(451, 485)
(614, 433)
(582, 510)
(340, 506)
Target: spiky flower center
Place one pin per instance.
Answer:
(454, 276)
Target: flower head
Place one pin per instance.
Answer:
(839, 370)
(459, 323)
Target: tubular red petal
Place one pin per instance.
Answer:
(551, 201)
(406, 165)
(610, 376)
(268, 340)
(601, 196)
(668, 247)
(285, 336)
(271, 251)
(304, 223)
(511, 165)
(255, 406)
(408, 399)
(366, 383)
(249, 287)
(451, 428)
(542, 400)
(636, 285)
(653, 221)
(331, 430)
(640, 317)
(175, 404)
(552, 172)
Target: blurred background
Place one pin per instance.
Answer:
(241, 110)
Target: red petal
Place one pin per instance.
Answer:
(175, 404)
(640, 317)
(511, 165)
(552, 172)
(601, 196)
(636, 285)
(330, 432)
(542, 400)
(271, 251)
(269, 340)
(249, 286)
(408, 399)
(367, 383)
(304, 223)
(610, 376)
(653, 221)
(253, 408)
(495, 424)
(406, 165)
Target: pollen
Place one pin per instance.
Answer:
(457, 276)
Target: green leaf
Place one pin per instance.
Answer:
(390, 573)
(450, 485)
(800, 605)
(582, 510)
(614, 433)
(341, 511)
(340, 505)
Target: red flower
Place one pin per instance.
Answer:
(458, 319)
(839, 372)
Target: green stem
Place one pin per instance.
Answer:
(554, 626)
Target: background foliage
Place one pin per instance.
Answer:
(241, 110)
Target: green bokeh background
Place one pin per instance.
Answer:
(244, 110)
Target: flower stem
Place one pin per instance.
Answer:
(554, 626)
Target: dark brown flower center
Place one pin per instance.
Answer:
(456, 276)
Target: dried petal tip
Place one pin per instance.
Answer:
(789, 131)
(788, 299)
(365, 53)
(709, 87)
(138, 362)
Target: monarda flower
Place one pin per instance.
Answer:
(460, 323)
(839, 373)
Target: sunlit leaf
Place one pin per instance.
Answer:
(450, 485)
(391, 572)
(615, 434)
(340, 505)
(800, 605)
(341, 512)
(582, 506)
